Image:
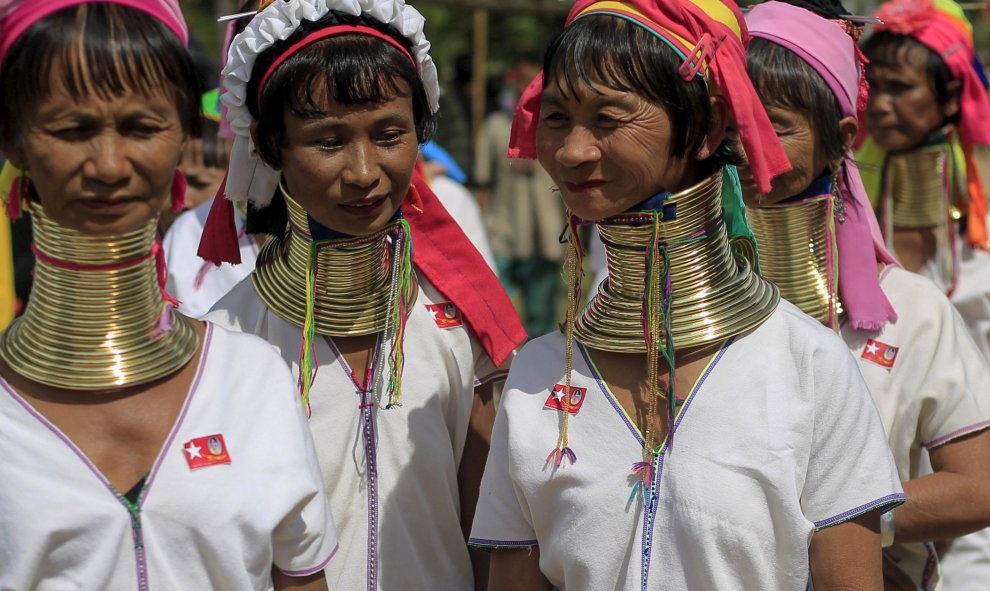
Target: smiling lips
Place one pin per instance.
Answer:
(368, 206)
(584, 186)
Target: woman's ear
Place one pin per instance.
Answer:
(950, 108)
(848, 128)
(721, 119)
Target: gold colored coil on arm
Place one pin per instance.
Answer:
(352, 281)
(799, 255)
(715, 292)
(92, 320)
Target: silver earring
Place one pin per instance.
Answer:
(838, 203)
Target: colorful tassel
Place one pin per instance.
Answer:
(643, 472)
(402, 300)
(575, 270)
(308, 364)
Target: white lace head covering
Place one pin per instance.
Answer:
(248, 176)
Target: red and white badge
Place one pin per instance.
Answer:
(206, 451)
(882, 354)
(556, 399)
(446, 315)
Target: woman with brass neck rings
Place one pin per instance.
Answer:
(377, 300)
(129, 432)
(821, 244)
(698, 418)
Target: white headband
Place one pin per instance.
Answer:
(248, 177)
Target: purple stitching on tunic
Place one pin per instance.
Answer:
(956, 434)
(496, 544)
(931, 565)
(308, 571)
(650, 513)
(608, 396)
(887, 502)
(367, 411)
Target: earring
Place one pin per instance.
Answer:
(17, 198)
(178, 191)
(838, 203)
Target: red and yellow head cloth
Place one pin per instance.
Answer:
(711, 36)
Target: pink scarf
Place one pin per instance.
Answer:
(17, 16)
(829, 50)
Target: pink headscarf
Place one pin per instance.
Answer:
(829, 50)
(17, 16)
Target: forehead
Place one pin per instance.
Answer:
(901, 60)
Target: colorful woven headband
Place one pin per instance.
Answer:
(942, 28)
(17, 16)
(827, 47)
(710, 35)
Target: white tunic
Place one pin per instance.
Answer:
(196, 283)
(462, 206)
(391, 474)
(936, 389)
(778, 439)
(218, 526)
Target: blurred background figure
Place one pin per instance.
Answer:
(523, 214)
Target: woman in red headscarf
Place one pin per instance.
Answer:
(702, 424)
(129, 433)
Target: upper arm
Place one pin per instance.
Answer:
(476, 446)
(965, 456)
(517, 570)
(847, 556)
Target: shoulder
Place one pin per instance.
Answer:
(790, 332)
(920, 305)
(240, 309)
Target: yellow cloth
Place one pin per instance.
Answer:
(8, 299)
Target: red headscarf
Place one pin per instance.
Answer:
(712, 36)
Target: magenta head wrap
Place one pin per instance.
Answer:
(17, 16)
(829, 50)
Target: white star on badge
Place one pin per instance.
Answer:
(193, 451)
(558, 395)
(871, 349)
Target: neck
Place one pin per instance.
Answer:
(352, 278)
(798, 252)
(690, 265)
(919, 196)
(97, 318)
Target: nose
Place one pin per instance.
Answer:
(361, 169)
(579, 146)
(879, 104)
(109, 162)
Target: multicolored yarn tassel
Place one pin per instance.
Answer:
(655, 317)
(308, 363)
(643, 471)
(575, 274)
(169, 303)
(401, 300)
(14, 198)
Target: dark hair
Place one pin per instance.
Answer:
(345, 69)
(102, 49)
(784, 80)
(884, 49)
(625, 57)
